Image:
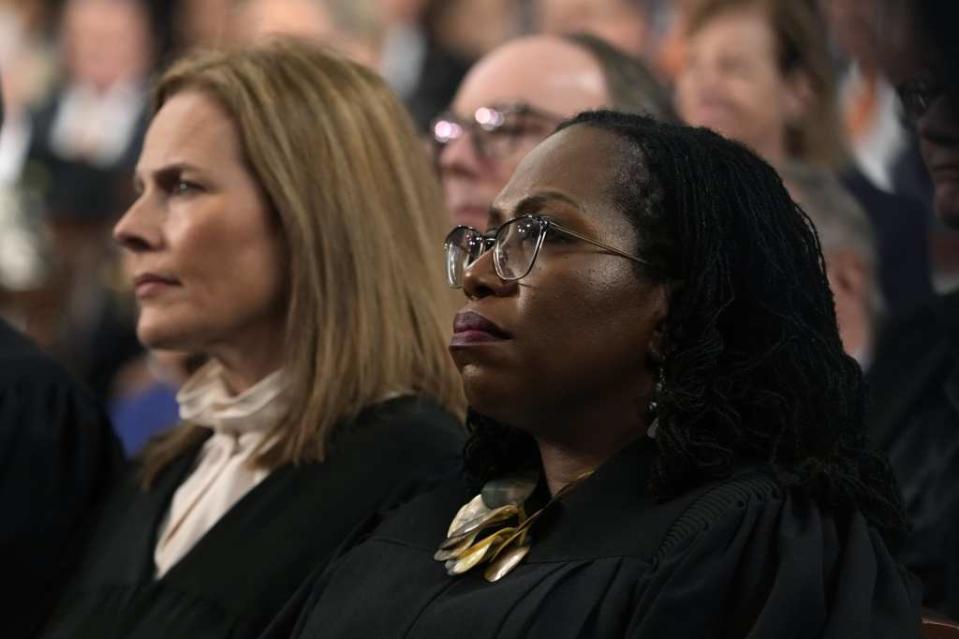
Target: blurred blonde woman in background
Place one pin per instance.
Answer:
(759, 72)
(287, 228)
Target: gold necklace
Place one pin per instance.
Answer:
(493, 527)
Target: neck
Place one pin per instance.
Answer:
(242, 370)
(577, 445)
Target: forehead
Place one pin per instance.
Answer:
(85, 14)
(190, 126)
(739, 30)
(545, 72)
(579, 162)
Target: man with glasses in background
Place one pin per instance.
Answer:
(914, 409)
(515, 96)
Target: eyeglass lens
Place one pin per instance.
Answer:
(918, 96)
(514, 249)
(517, 243)
(463, 247)
(494, 133)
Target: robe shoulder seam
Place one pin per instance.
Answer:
(708, 507)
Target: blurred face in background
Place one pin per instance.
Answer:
(400, 11)
(106, 41)
(472, 28)
(203, 250)
(256, 19)
(852, 27)
(621, 23)
(851, 282)
(731, 83)
(203, 23)
(930, 96)
(537, 82)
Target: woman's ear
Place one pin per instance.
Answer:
(660, 311)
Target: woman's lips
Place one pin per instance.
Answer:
(150, 284)
(472, 328)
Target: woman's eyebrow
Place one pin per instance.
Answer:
(532, 204)
(536, 202)
(494, 217)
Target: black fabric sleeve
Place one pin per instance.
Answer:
(747, 561)
(58, 458)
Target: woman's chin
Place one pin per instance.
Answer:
(157, 336)
(493, 399)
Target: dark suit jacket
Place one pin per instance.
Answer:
(75, 189)
(901, 227)
(58, 458)
(913, 414)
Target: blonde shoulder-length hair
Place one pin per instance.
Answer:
(362, 219)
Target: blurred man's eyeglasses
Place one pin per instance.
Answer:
(917, 96)
(495, 131)
(515, 245)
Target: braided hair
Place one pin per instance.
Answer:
(754, 371)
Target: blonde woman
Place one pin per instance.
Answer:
(286, 227)
(759, 72)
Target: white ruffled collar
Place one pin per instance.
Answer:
(205, 400)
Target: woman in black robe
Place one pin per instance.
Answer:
(666, 434)
(281, 230)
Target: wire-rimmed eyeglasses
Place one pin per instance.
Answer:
(918, 95)
(495, 131)
(515, 244)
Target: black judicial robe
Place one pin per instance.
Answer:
(735, 559)
(240, 574)
(58, 459)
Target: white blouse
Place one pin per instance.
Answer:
(223, 473)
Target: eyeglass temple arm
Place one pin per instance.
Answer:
(588, 240)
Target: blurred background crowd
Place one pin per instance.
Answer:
(76, 76)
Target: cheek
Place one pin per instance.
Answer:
(243, 278)
(599, 323)
(232, 280)
(686, 92)
(752, 96)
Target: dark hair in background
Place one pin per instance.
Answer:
(632, 88)
(939, 20)
(754, 370)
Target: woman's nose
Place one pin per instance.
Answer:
(137, 230)
(480, 279)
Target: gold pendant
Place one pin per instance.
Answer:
(500, 501)
(505, 563)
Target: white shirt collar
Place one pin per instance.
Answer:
(205, 400)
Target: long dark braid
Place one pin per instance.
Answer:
(754, 368)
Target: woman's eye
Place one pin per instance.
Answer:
(734, 66)
(557, 238)
(183, 187)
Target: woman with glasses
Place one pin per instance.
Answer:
(283, 229)
(665, 432)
